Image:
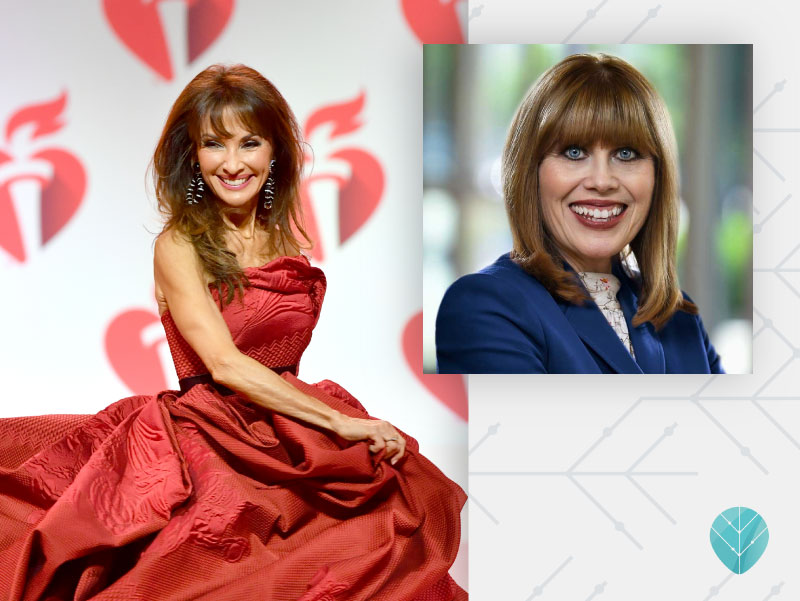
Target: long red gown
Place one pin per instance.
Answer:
(202, 495)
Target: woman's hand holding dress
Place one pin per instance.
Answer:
(382, 434)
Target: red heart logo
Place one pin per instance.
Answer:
(10, 234)
(434, 21)
(448, 388)
(137, 23)
(137, 363)
(61, 194)
(359, 193)
(206, 21)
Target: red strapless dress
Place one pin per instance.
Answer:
(202, 495)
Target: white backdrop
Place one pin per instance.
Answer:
(86, 88)
(606, 488)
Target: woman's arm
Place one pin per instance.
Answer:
(714, 361)
(484, 326)
(180, 277)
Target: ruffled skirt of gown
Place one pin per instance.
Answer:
(204, 496)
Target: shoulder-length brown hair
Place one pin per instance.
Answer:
(246, 95)
(582, 100)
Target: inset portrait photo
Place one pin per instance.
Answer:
(587, 209)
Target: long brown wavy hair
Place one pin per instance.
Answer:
(582, 100)
(247, 96)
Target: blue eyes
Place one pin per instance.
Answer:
(575, 153)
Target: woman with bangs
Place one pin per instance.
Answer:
(247, 483)
(591, 189)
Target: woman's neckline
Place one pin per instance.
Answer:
(271, 261)
(257, 267)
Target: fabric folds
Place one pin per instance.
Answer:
(204, 496)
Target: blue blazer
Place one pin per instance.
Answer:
(502, 320)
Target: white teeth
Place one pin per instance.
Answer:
(234, 182)
(597, 214)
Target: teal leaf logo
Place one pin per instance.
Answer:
(739, 536)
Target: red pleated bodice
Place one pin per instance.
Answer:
(272, 322)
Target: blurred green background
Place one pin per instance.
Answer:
(470, 95)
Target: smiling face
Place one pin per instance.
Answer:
(234, 167)
(595, 200)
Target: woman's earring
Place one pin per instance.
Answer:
(196, 187)
(269, 187)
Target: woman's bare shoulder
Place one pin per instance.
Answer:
(176, 267)
(172, 244)
(174, 252)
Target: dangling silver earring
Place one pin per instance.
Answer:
(269, 187)
(196, 187)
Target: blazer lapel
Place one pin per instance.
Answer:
(646, 343)
(596, 333)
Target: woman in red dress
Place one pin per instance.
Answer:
(248, 483)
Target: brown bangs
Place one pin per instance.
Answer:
(597, 109)
(213, 109)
